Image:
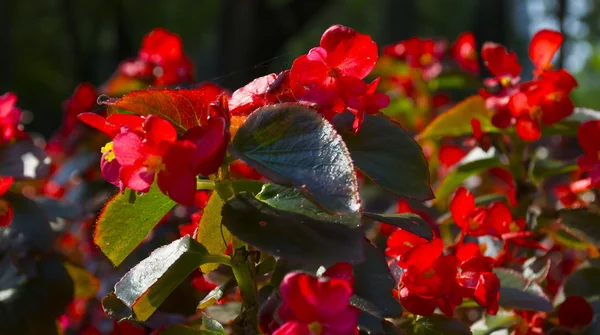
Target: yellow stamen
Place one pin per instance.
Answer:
(108, 148)
(428, 274)
(315, 328)
(426, 59)
(3, 207)
(505, 81)
(154, 164)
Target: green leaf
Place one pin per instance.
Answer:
(582, 224)
(210, 326)
(543, 169)
(437, 324)
(126, 220)
(407, 221)
(183, 330)
(373, 285)
(86, 285)
(456, 121)
(536, 268)
(291, 200)
(583, 282)
(457, 176)
(141, 290)
(217, 293)
(29, 229)
(387, 154)
(581, 114)
(293, 145)
(183, 108)
(519, 293)
(491, 323)
(291, 235)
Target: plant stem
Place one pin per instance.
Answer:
(205, 184)
(244, 272)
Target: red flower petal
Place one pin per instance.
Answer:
(499, 217)
(499, 61)
(575, 312)
(528, 129)
(415, 304)
(588, 135)
(450, 155)
(342, 270)
(136, 177)
(487, 292)
(293, 328)
(544, 44)
(401, 242)
(160, 45)
(5, 184)
(465, 53)
(6, 213)
(466, 251)
(129, 149)
(461, 206)
(424, 254)
(352, 53)
(159, 130)
(211, 144)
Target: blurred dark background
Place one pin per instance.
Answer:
(49, 46)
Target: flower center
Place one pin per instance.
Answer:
(555, 96)
(333, 72)
(315, 328)
(426, 59)
(513, 227)
(428, 274)
(505, 81)
(535, 113)
(108, 150)
(3, 207)
(154, 164)
(410, 245)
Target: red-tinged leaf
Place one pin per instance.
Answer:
(457, 120)
(183, 108)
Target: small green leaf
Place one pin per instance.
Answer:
(519, 293)
(457, 176)
(217, 293)
(491, 323)
(141, 290)
(210, 326)
(410, 222)
(86, 285)
(291, 235)
(583, 282)
(387, 154)
(456, 121)
(536, 268)
(437, 324)
(543, 169)
(582, 224)
(126, 219)
(294, 146)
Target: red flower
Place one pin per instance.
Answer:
(400, 242)
(568, 194)
(588, 135)
(10, 116)
(575, 313)
(483, 139)
(402, 206)
(316, 306)
(465, 53)
(542, 48)
(450, 155)
(83, 100)
(503, 65)
(261, 91)
(422, 54)
(6, 210)
(466, 215)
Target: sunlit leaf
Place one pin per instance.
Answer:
(456, 177)
(126, 220)
(519, 293)
(457, 120)
(86, 285)
(294, 146)
(407, 221)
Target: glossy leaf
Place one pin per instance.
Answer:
(24, 160)
(456, 121)
(126, 219)
(291, 200)
(582, 224)
(407, 221)
(437, 324)
(373, 284)
(457, 176)
(141, 290)
(291, 235)
(519, 293)
(183, 108)
(294, 146)
(536, 268)
(387, 154)
(217, 293)
(583, 282)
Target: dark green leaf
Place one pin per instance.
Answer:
(86, 285)
(519, 293)
(291, 200)
(373, 284)
(289, 234)
(407, 221)
(583, 282)
(387, 154)
(126, 219)
(457, 176)
(23, 159)
(457, 120)
(139, 293)
(437, 324)
(293, 145)
(29, 228)
(548, 167)
(582, 224)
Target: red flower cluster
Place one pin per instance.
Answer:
(318, 305)
(427, 55)
(432, 280)
(145, 148)
(544, 100)
(161, 60)
(10, 116)
(588, 135)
